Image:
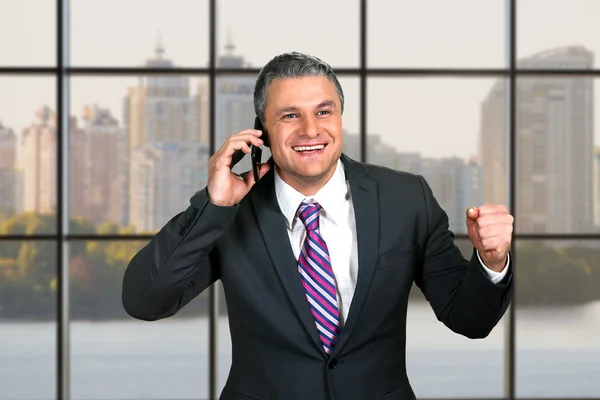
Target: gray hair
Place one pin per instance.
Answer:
(291, 65)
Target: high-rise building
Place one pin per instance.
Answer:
(163, 178)
(8, 155)
(597, 188)
(456, 185)
(160, 107)
(105, 145)
(78, 184)
(554, 145)
(38, 163)
(37, 166)
(161, 118)
(494, 144)
(234, 104)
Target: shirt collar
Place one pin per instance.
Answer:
(330, 196)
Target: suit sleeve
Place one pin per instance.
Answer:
(460, 293)
(178, 263)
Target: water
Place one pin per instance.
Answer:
(558, 355)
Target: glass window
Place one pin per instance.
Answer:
(443, 364)
(556, 154)
(28, 33)
(124, 153)
(28, 317)
(139, 33)
(28, 162)
(557, 34)
(557, 324)
(251, 33)
(453, 131)
(124, 358)
(436, 34)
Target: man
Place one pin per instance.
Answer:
(317, 258)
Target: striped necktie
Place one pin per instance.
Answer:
(315, 269)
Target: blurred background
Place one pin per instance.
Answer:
(102, 103)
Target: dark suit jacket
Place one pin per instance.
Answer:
(403, 237)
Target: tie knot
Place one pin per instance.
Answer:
(309, 215)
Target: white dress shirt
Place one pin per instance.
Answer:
(338, 229)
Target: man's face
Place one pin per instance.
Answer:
(304, 121)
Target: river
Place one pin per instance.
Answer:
(558, 355)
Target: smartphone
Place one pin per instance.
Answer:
(256, 151)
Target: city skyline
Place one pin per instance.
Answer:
(134, 30)
(156, 110)
(410, 132)
(165, 128)
(429, 125)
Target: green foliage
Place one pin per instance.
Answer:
(28, 270)
(545, 275)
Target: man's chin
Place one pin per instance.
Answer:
(314, 172)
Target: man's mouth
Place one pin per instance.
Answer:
(308, 149)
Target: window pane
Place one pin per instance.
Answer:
(235, 112)
(139, 148)
(122, 358)
(28, 318)
(452, 131)
(27, 155)
(28, 33)
(141, 33)
(566, 36)
(557, 324)
(555, 155)
(251, 33)
(443, 364)
(437, 33)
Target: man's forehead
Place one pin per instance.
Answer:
(302, 81)
(316, 89)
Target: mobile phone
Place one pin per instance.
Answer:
(256, 151)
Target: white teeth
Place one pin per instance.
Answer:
(308, 148)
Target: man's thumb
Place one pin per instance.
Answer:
(264, 168)
(472, 213)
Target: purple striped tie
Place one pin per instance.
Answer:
(315, 269)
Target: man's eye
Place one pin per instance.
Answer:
(289, 115)
(324, 112)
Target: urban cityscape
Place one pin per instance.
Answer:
(121, 173)
(122, 169)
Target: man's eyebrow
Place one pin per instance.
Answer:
(285, 110)
(326, 103)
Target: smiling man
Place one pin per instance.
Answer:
(304, 115)
(317, 259)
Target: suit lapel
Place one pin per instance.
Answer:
(271, 223)
(366, 206)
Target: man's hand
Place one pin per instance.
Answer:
(490, 228)
(225, 188)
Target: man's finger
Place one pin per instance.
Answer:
(262, 169)
(490, 209)
(472, 213)
(252, 132)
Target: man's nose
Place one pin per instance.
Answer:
(310, 127)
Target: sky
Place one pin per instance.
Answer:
(438, 116)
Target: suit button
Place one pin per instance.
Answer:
(333, 363)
